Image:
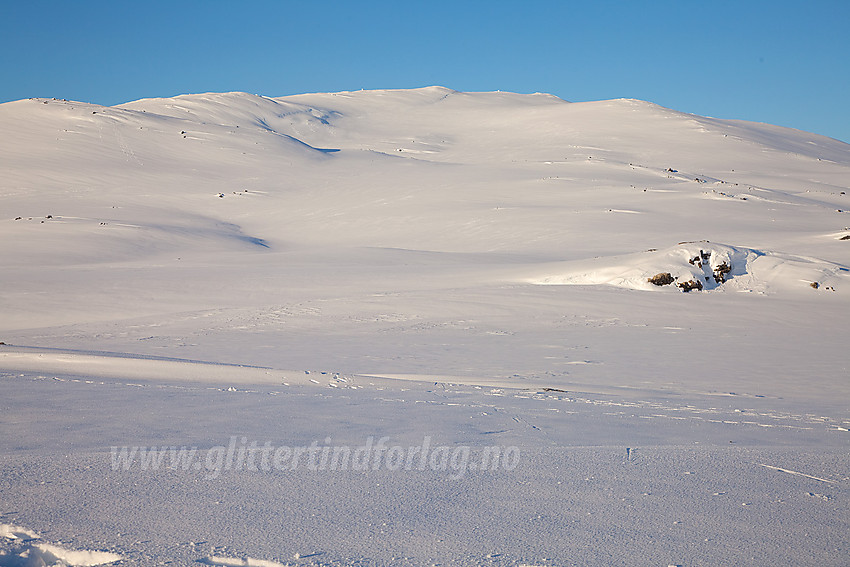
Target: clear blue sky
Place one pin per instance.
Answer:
(776, 61)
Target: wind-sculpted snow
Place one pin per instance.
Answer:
(23, 548)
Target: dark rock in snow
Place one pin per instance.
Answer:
(690, 285)
(664, 278)
(721, 271)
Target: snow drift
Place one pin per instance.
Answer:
(22, 548)
(701, 266)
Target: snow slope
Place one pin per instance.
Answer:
(180, 271)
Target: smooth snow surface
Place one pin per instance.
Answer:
(651, 307)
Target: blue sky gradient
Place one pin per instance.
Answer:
(781, 62)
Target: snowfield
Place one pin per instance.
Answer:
(420, 327)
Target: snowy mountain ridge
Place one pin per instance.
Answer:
(166, 157)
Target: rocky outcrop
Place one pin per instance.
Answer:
(664, 278)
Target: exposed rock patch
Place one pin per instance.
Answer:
(702, 266)
(690, 285)
(664, 278)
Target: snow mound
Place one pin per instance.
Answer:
(700, 266)
(31, 554)
(103, 365)
(10, 531)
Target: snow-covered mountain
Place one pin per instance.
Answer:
(389, 240)
(429, 169)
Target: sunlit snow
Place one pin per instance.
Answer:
(650, 306)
